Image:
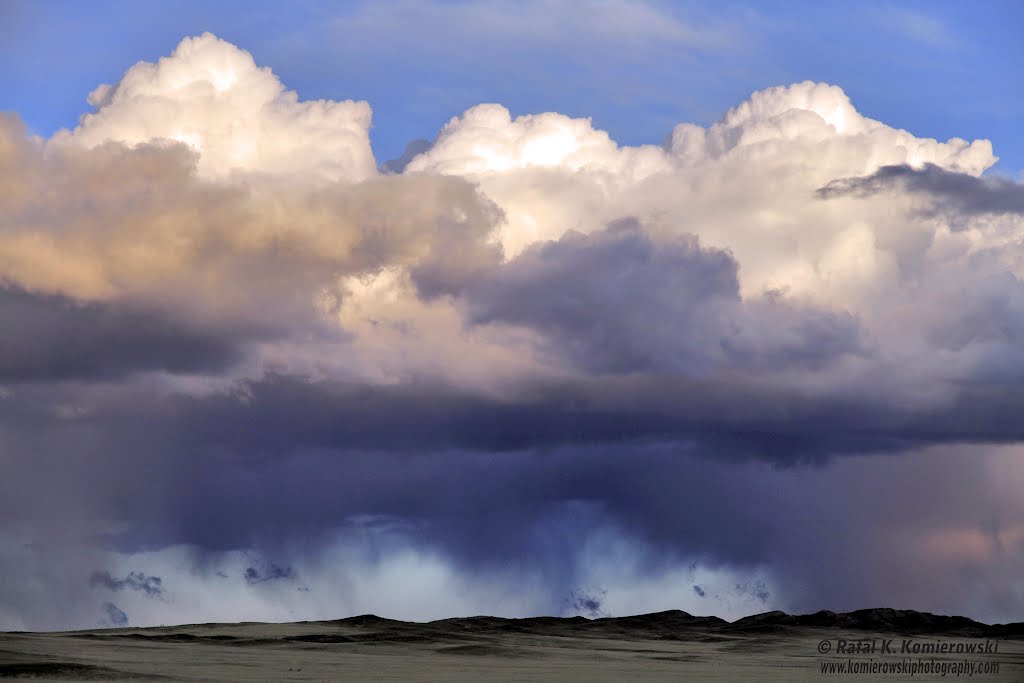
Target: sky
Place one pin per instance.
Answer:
(432, 309)
(938, 69)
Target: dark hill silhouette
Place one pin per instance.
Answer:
(879, 619)
(677, 623)
(668, 624)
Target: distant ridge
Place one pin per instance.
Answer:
(883, 619)
(678, 622)
(668, 625)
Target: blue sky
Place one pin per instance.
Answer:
(937, 69)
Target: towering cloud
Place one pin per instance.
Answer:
(211, 96)
(529, 362)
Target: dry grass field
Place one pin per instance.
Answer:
(665, 646)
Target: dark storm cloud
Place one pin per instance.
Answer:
(737, 419)
(964, 194)
(582, 292)
(164, 462)
(46, 337)
(587, 602)
(166, 465)
(136, 581)
(114, 614)
(619, 301)
(302, 458)
(756, 589)
(301, 455)
(270, 572)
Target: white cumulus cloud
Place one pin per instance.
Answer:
(238, 117)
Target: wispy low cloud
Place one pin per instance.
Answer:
(114, 615)
(136, 581)
(958, 194)
(540, 23)
(270, 572)
(588, 602)
(926, 29)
